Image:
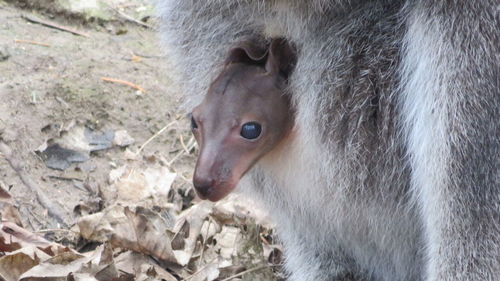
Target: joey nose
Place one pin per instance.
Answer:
(203, 186)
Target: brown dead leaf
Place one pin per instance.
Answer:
(79, 277)
(194, 217)
(27, 252)
(14, 264)
(90, 206)
(138, 229)
(238, 209)
(133, 185)
(228, 240)
(11, 214)
(209, 272)
(4, 194)
(150, 234)
(100, 226)
(209, 229)
(122, 138)
(13, 237)
(97, 265)
(7, 210)
(137, 264)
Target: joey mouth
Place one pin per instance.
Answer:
(218, 172)
(213, 192)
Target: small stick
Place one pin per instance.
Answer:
(183, 144)
(148, 56)
(65, 178)
(245, 272)
(203, 243)
(31, 42)
(154, 136)
(132, 19)
(56, 230)
(123, 82)
(191, 145)
(54, 25)
(199, 270)
(54, 210)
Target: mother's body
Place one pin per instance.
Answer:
(393, 171)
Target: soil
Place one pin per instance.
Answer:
(57, 81)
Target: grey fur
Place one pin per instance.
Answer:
(394, 170)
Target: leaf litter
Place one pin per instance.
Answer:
(140, 233)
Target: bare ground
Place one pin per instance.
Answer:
(45, 88)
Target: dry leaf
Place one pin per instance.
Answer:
(122, 138)
(208, 273)
(238, 209)
(14, 264)
(7, 210)
(150, 234)
(138, 229)
(13, 237)
(4, 194)
(97, 265)
(193, 218)
(136, 264)
(227, 241)
(135, 185)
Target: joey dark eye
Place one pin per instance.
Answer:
(193, 124)
(251, 130)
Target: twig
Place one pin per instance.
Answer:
(199, 270)
(31, 42)
(123, 82)
(183, 144)
(148, 56)
(154, 136)
(56, 230)
(54, 25)
(130, 18)
(65, 178)
(203, 242)
(191, 144)
(54, 210)
(245, 272)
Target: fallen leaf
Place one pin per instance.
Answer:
(209, 272)
(122, 138)
(14, 237)
(227, 240)
(60, 158)
(134, 185)
(194, 218)
(94, 264)
(14, 264)
(138, 229)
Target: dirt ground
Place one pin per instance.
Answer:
(52, 81)
(45, 88)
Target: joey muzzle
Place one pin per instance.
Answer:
(218, 172)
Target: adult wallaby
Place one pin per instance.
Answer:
(391, 171)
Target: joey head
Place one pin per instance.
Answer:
(245, 114)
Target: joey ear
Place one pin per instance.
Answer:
(246, 52)
(282, 57)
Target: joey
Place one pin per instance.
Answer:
(245, 114)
